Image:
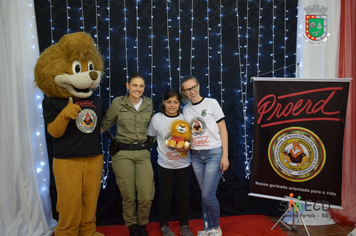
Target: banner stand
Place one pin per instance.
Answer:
(294, 227)
(311, 216)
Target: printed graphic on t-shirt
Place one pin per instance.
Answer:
(203, 113)
(85, 103)
(86, 121)
(198, 127)
(172, 155)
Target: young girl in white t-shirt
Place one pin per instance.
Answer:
(172, 167)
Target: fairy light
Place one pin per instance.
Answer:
(208, 45)
(67, 11)
(238, 41)
(106, 163)
(96, 27)
(136, 40)
(243, 84)
(285, 40)
(39, 135)
(96, 24)
(109, 53)
(273, 19)
(221, 56)
(51, 20)
(151, 47)
(246, 55)
(259, 38)
(247, 158)
(125, 29)
(179, 43)
(191, 68)
(168, 46)
(82, 18)
(37, 129)
(244, 98)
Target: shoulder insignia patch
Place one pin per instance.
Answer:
(124, 109)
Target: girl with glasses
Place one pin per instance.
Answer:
(209, 149)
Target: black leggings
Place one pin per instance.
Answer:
(167, 178)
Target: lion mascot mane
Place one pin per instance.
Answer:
(67, 73)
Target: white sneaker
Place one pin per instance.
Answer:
(203, 233)
(215, 232)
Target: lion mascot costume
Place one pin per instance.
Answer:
(67, 73)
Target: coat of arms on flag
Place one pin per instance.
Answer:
(316, 25)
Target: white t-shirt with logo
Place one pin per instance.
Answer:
(169, 158)
(203, 118)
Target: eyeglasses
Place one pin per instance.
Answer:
(188, 90)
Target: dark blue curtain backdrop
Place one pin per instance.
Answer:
(245, 39)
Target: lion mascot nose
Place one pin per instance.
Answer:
(93, 75)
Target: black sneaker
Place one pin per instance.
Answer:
(166, 231)
(142, 230)
(133, 229)
(184, 230)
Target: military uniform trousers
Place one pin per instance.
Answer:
(134, 175)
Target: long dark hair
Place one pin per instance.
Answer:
(167, 95)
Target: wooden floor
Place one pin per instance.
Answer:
(324, 230)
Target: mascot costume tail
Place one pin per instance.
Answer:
(68, 72)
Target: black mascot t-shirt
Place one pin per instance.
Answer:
(82, 137)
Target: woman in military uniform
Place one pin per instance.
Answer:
(132, 162)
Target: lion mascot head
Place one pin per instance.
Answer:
(70, 68)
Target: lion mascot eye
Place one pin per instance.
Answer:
(76, 67)
(90, 66)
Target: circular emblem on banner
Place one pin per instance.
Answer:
(198, 126)
(86, 121)
(296, 154)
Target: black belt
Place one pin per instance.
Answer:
(133, 146)
(116, 146)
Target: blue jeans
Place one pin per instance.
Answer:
(206, 165)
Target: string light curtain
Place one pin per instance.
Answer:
(221, 42)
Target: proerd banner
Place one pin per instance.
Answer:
(298, 138)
